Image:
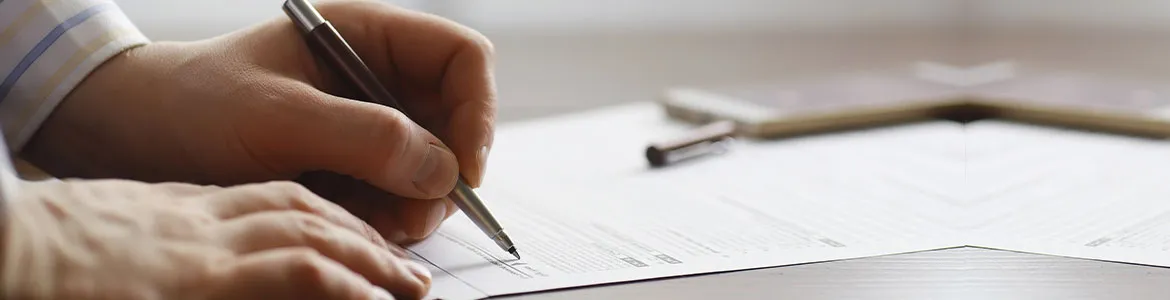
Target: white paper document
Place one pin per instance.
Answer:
(591, 211)
(638, 223)
(615, 238)
(1103, 197)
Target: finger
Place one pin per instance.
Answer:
(291, 273)
(367, 141)
(469, 90)
(181, 189)
(425, 50)
(422, 217)
(286, 196)
(413, 220)
(264, 231)
(356, 196)
(398, 219)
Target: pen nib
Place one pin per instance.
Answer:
(514, 253)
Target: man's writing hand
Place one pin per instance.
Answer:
(255, 105)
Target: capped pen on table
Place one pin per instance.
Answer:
(708, 139)
(326, 42)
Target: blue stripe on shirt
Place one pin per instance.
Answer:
(43, 45)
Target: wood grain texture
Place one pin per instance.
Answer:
(539, 76)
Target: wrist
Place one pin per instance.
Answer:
(71, 135)
(83, 35)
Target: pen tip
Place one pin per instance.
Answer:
(514, 253)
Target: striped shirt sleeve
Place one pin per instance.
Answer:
(46, 48)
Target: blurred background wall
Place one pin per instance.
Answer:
(187, 19)
(564, 55)
(172, 19)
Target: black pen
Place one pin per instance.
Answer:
(326, 42)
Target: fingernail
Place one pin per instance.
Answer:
(436, 175)
(378, 293)
(419, 271)
(434, 218)
(482, 156)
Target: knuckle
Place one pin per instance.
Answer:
(391, 132)
(293, 195)
(315, 276)
(308, 268)
(191, 226)
(389, 123)
(311, 229)
(205, 266)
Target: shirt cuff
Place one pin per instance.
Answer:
(46, 49)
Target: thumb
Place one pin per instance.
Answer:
(371, 142)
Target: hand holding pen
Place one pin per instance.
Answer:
(207, 136)
(327, 44)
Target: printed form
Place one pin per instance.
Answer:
(874, 192)
(1107, 201)
(593, 215)
(758, 206)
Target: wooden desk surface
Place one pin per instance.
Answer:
(550, 75)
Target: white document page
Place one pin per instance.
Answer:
(1092, 196)
(759, 205)
(1012, 166)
